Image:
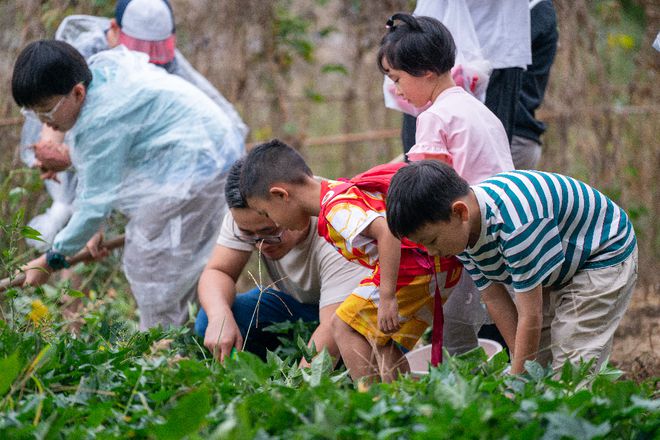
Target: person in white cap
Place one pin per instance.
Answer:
(146, 26)
(143, 25)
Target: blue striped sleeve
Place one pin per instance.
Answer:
(532, 253)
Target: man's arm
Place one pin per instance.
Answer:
(217, 291)
(389, 256)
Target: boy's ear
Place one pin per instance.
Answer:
(279, 192)
(79, 93)
(460, 209)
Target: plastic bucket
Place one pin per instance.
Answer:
(419, 359)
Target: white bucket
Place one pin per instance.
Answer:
(419, 359)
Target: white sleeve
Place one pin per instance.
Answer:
(338, 276)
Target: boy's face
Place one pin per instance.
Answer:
(443, 238)
(60, 112)
(281, 210)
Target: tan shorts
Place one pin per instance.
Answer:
(579, 320)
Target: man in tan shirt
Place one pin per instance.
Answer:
(310, 280)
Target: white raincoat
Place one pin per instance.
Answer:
(157, 149)
(87, 34)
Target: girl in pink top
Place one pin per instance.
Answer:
(456, 128)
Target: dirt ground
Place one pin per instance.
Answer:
(636, 348)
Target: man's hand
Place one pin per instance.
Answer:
(37, 272)
(223, 334)
(51, 157)
(388, 315)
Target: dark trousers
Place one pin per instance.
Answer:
(274, 307)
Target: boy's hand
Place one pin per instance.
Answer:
(51, 157)
(389, 256)
(388, 315)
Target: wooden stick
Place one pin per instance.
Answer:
(11, 121)
(73, 260)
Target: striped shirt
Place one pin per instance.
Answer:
(541, 228)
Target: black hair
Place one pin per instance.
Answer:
(47, 68)
(233, 186)
(269, 163)
(417, 45)
(421, 193)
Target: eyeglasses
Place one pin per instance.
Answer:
(44, 116)
(256, 238)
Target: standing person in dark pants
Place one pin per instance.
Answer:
(503, 30)
(526, 142)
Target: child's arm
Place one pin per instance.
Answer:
(520, 322)
(441, 157)
(432, 141)
(389, 255)
(503, 311)
(37, 272)
(528, 332)
(50, 153)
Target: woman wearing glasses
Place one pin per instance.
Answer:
(310, 279)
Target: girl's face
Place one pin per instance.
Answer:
(417, 90)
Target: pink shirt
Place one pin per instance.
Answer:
(460, 130)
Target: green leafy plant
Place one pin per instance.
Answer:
(110, 381)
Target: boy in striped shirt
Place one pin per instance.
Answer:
(568, 253)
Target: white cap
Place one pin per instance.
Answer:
(147, 26)
(148, 20)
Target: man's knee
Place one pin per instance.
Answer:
(245, 310)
